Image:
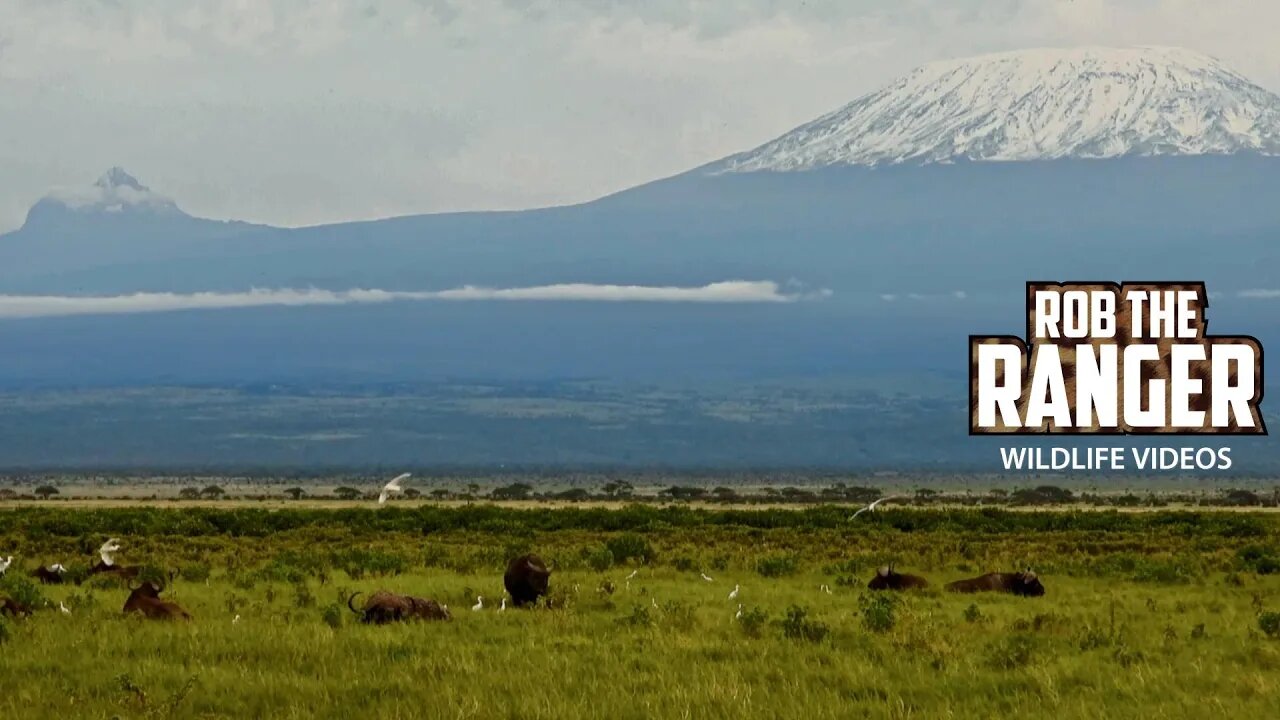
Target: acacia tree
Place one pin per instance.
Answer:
(213, 492)
(346, 493)
(295, 493)
(44, 491)
(189, 493)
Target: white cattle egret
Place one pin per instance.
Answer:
(633, 574)
(706, 577)
(4, 565)
(738, 615)
(479, 603)
(734, 595)
(235, 620)
(108, 551)
(655, 603)
(392, 488)
(872, 506)
(63, 607)
(57, 567)
(825, 588)
(503, 607)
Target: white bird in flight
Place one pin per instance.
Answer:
(108, 551)
(872, 506)
(4, 565)
(392, 488)
(734, 595)
(63, 607)
(479, 603)
(706, 577)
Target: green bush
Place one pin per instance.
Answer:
(776, 566)
(195, 572)
(332, 615)
(797, 626)
(1269, 624)
(753, 621)
(22, 590)
(879, 611)
(599, 559)
(629, 546)
(1012, 651)
(1261, 559)
(639, 617)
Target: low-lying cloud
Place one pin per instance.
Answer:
(1260, 294)
(733, 291)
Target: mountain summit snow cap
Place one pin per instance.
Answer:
(115, 191)
(1040, 104)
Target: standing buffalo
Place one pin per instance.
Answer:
(51, 575)
(145, 599)
(1023, 583)
(384, 607)
(889, 579)
(526, 579)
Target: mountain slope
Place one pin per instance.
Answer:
(1038, 105)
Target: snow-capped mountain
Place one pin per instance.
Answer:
(1038, 104)
(116, 191)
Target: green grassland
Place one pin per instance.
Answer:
(1160, 614)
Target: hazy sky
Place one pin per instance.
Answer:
(307, 111)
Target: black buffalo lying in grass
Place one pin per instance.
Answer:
(51, 575)
(124, 572)
(1023, 583)
(14, 608)
(526, 579)
(385, 607)
(889, 579)
(145, 599)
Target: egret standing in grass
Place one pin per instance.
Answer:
(873, 505)
(503, 606)
(706, 577)
(479, 604)
(734, 595)
(738, 615)
(63, 608)
(392, 488)
(633, 574)
(4, 565)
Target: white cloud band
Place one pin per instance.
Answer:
(734, 291)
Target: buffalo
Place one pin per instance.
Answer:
(1023, 583)
(526, 579)
(14, 608)
(124, 572)
(889, 579)
(385, 607)
(145, 599)
(51, 575)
